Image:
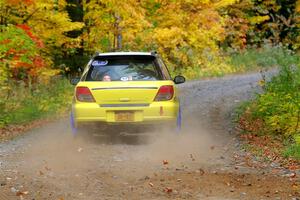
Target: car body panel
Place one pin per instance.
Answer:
(124, 91)
(151, 113)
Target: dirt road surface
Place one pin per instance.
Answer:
(201, 162)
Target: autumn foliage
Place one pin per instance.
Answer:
(190, 35)
(22, 55)
(31, 32)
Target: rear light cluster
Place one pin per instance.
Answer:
(84, 94)
(165, 93)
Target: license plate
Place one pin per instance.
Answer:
(122, 116)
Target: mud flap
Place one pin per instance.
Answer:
(179, 120)
(72, 123)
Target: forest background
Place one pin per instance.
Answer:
(44, 42)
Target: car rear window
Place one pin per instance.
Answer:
(124, 68)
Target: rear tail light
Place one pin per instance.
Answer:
(165, 93)
(84, 94)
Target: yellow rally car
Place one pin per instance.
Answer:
(125, 88)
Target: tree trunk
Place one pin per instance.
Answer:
(118, 32)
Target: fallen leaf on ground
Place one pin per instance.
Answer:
(192, 157)
(14, 190)
(20, 193)
(165, 162)
(296, 187)
(201, 171)
(47, 168)
(292, 175)
(168, 190)
(293, 167)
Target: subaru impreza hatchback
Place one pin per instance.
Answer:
(126, 88)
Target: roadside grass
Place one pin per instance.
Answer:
(21, 103)
(256, 59)
(233, 62)
(276, 111)
(292, 151)
(214, 69)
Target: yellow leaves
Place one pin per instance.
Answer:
(224, 3)
(106, 20)
(258, 19)
(51, 25)
(3, 77)
(50, 72)
(185, 32)
(261, 82)
(279, 110)
(47, 74)
(43, 105)
(297, 6)
(283, 122)
(297, 138)
(169, 37)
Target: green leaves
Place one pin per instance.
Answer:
(16, 50)
(279, 106)
(44, 100)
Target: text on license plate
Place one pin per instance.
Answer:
(124, 116)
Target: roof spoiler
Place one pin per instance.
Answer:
(97, 53)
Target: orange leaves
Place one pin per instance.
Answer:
(28, 1)
(39, 43)
(251, 125)
(38, 61)
(19, 2)
(19, 48)
(34, 67)
(270, 149)
(25, 27)
(22, 64)
(4, 42)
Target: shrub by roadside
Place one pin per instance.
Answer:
(237, 62)
(22, 104)
(256, 58)
(275, 114)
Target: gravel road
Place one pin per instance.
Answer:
(197, 163)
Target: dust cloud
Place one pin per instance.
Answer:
(55, 148)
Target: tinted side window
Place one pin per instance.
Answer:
(124, 68)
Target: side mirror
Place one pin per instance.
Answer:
(74, 81)
(179, 79)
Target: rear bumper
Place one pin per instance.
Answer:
(156, 112)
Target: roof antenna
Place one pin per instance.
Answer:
(95, 54)
(153, 53)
